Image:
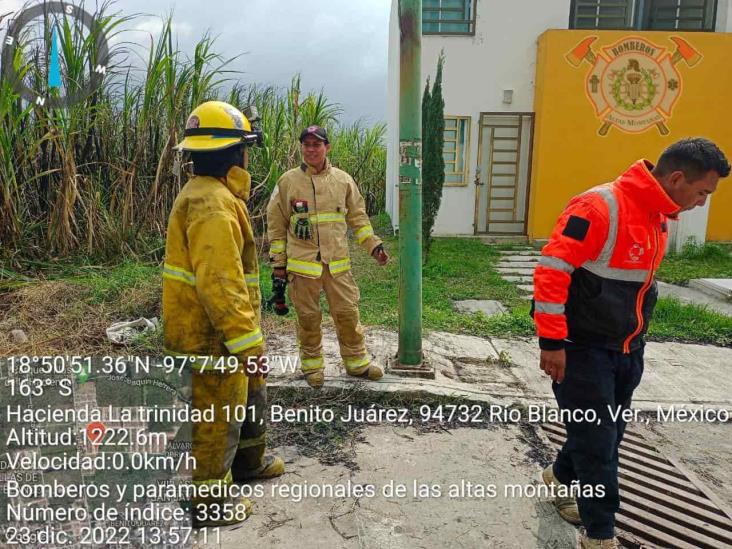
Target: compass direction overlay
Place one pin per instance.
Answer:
(54, 78)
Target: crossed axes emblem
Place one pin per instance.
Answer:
(583, 52)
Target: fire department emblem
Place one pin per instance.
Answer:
(634, 84)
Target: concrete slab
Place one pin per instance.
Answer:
(526, 288)
(516, 265)
(532, 258)
(720, 288)
(466, 366)
(504, 239)
(523, 354)
(446, 513)
(695, 297)
(454, 346)
(486, 306)
(675, 373)
(512, 269)
(522, 279)
(522, 253)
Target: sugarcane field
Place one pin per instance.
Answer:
(376, 274)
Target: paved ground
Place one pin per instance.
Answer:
(468, 366)
(517, 266)
(720, 288)
(490, 458)
(693, 296)
(493, 371)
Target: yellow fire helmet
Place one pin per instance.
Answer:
(216, 125)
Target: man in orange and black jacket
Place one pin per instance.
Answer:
(593, 299)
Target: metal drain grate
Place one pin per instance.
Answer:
(662, 504)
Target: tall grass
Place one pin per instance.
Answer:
(98, 179)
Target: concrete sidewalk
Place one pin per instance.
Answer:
(465, 461)
(472, 368)
(456, 464)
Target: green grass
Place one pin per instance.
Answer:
(457, 269)
(675, 321)
(112, 284)
(465, 269)
(695, 261)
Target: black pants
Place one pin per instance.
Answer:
(600, 380)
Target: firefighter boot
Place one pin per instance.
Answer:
(567, 505)
(273, 466)
(315, 379)
(250, 461)
(591, 543)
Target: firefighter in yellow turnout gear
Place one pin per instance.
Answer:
(211, 309)
(308, 216)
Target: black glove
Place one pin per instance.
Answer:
(277, 301)
(303, 229)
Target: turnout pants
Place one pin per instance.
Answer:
(236, 438)
(600, 380)
(343, 296)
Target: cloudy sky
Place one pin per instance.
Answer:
(338, 45)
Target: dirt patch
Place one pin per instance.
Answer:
(539, 450)
(65, 318)
(53, 316)
(334, 442)
(62, 317)
(487, 374)
(330, 442)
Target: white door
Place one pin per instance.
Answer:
(504, 171)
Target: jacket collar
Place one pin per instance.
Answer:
(647, 190)
(239, 182)
(311, 171)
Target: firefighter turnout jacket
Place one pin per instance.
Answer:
(211, 275)
(594, 283)
(308, 217)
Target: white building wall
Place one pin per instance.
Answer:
(392, 113)
(692, 225)
(501, 55)
(724, 16)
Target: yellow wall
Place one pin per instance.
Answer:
(569, 154)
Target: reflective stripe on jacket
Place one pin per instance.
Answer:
(211, 295)
(594, 281)
(333, 203)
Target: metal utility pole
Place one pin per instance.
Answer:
(410, 191)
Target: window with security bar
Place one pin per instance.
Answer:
(455, 150)
(688, 15)
(684, 15)
(601, 14)
(456, 17)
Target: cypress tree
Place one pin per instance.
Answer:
(433, 162)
